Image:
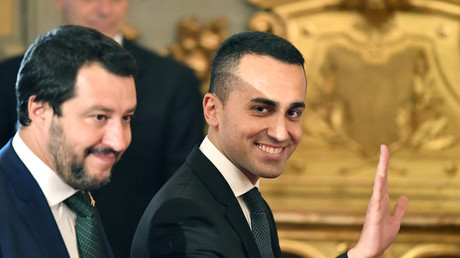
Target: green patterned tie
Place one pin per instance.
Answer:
(88, 238)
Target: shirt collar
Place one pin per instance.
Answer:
(237, 180)
(118, 38)
(54, 189)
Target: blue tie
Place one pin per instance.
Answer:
(88, 238)
(259, 222)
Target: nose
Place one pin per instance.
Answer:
(278, 129)
(104, 6)
(117, 136)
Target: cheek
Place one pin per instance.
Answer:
(296, 132)
(128, 135)
(83, 138)
(246, 129)
(238, 126)
(121, 12)
(78, 13)
(82, 141)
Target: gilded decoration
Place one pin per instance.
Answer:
(378, 72)
(6, 17)
(196, 45)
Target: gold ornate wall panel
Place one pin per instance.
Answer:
(6, 17)
(196, 45)
(378, 71)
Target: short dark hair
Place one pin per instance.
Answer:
(50, 65)
(230, 52)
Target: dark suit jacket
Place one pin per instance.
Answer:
(8, 72)
(167, 124)
(196, 214)
(27, 225)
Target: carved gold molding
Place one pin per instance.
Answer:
(433, 250)
(299, 249)
(196, 44)
(374, 32)
(270, 3)
(6, 17)
(378, 71)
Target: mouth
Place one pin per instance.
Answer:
(107, 155)
(102, 25)
(270, 149)
(104, 160)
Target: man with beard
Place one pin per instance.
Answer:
(211, 207)
(168, 123)
(76, 96)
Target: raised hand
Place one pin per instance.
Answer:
(380, 227)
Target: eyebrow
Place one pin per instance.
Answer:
(98, 108)
(298, 105)
(106, 109)
(265, 101)
(276, 104)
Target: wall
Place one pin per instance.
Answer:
(158, 19)
(155, 19)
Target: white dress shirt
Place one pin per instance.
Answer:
(119, 39)
(55, 191)
(238, 181)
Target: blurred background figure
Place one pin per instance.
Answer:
(168, 122)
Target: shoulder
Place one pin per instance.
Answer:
(180, 193)
(8, 156)
(184, 195)
(8, 72)
(12, 61)
(11, 64)
(11, 180)
(181, 227)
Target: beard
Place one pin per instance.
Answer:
(68, 165)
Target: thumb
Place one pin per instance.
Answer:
(400, 208)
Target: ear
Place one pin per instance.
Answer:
(210, 105)
(38, 111)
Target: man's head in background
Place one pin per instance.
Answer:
(106, 16)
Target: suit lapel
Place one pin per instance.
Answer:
(222, 192)
(32, 204)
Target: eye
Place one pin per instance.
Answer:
(127, 118)
(261, 110)
(100, 118)
(294, 113)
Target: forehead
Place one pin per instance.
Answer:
(80, 11)
(95, 85)
(92, 3)
(272, 79)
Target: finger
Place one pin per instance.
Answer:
(382, 168)
(400, 209)
(380, 181)
(377, 193)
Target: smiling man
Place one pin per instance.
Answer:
(212, 207)
(76, 97)
(168, 123)
(258, 126)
